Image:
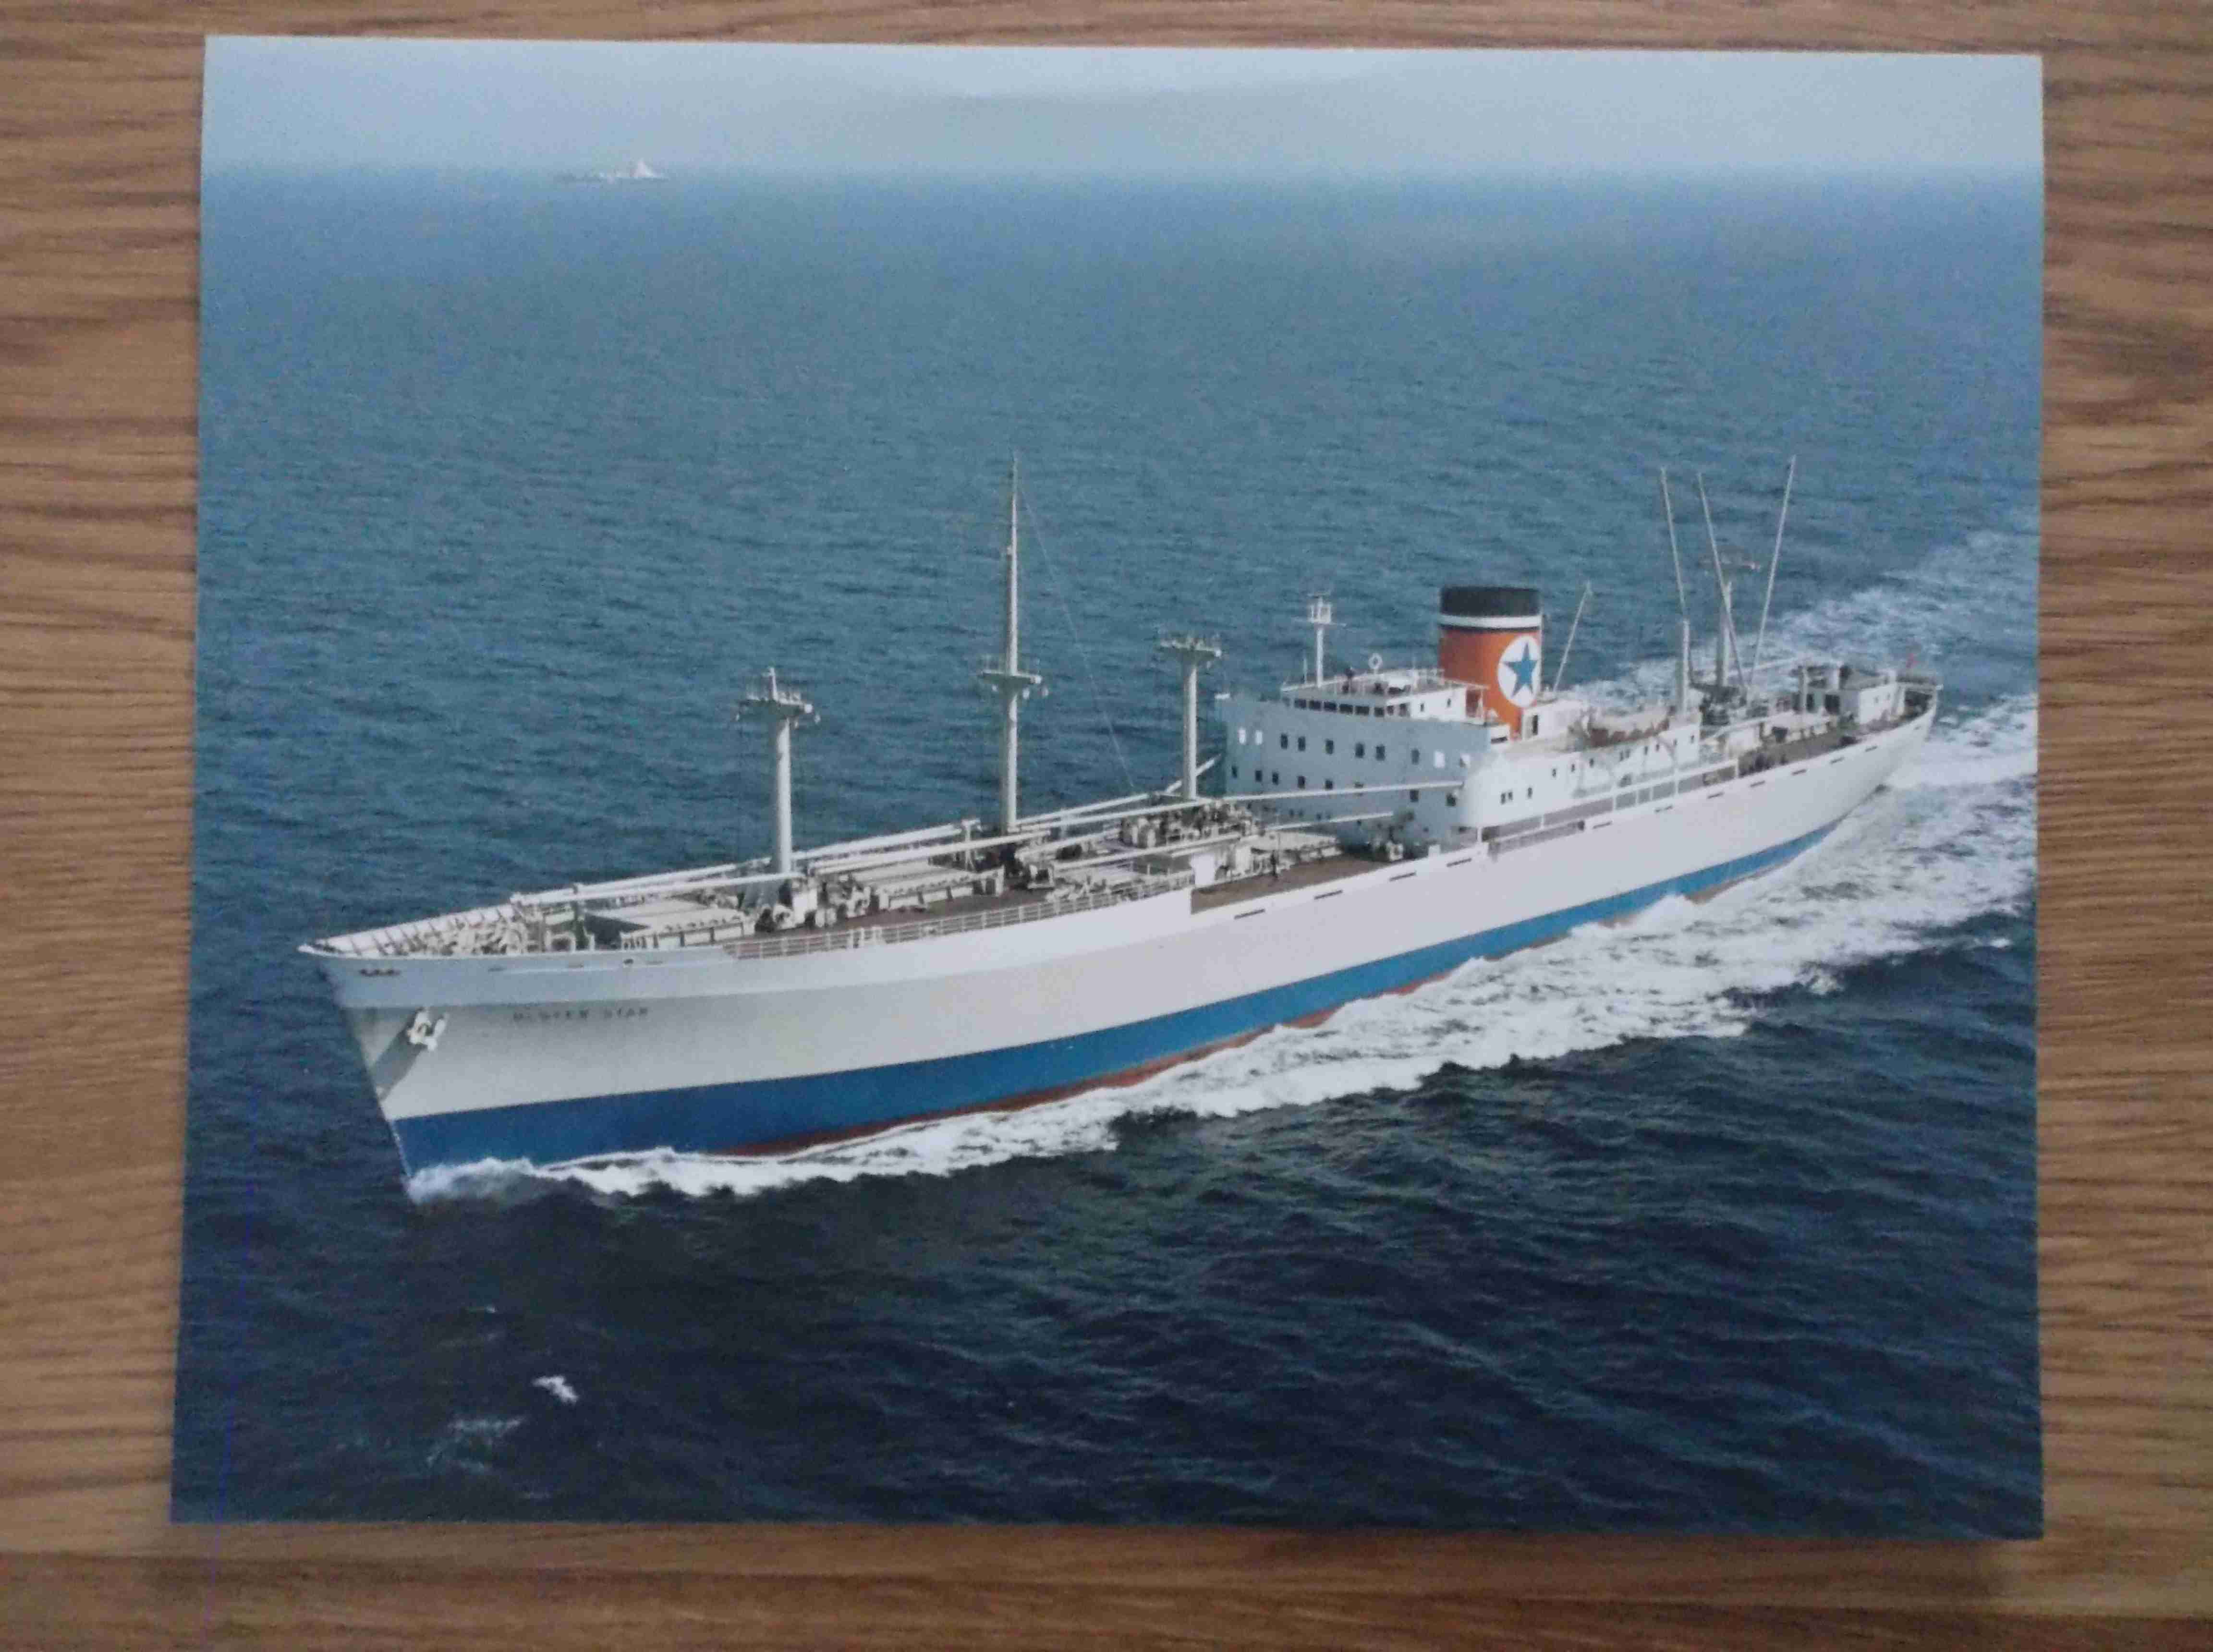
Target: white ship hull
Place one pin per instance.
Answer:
(553, 1057)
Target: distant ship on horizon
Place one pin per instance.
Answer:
(637, 172)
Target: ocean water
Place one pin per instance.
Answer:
(1723, 1220)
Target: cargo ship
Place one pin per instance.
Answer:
(1368, 829)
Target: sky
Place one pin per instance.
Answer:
(1151, 112)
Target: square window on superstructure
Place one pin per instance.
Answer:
(1361, 750)
(1302, 742)
(1284, 741)
(1378, 753)
(1329, 747)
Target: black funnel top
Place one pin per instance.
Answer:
(1485, 601)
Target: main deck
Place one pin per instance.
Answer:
(955, 879)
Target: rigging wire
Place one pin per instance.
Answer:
(1098, 700)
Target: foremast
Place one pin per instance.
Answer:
(1007, 678)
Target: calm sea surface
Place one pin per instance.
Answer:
(1724, 1220)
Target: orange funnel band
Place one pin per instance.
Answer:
(1492, 638)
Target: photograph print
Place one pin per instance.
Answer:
(1115, 786)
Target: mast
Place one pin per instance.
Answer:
(1321, 618)
(1014, 564)
(784, 707)
(1561, 670)
(1682, 605)
(1194, 655)
(1725, 631)
(1774, 561)
(1007, 678)
(1674, 556)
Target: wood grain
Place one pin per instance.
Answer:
(99, 106)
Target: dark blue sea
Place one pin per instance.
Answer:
(1723, 1220)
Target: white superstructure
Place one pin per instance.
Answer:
(1374, 828)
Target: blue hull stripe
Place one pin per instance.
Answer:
(722, 1117)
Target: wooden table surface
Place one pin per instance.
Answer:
(99, 106)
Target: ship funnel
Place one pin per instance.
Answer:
(1492, 638)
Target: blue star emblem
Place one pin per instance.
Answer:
(1524, 668)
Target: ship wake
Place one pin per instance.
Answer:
(1949, 843)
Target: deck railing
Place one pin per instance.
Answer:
(854, 935)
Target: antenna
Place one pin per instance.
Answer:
(1569, 647)
(1674, 556)
(1775, 561)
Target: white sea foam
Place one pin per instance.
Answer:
(482, 1179)
(1952, 840)
(465, 1441)
(1995, 747)
(557, 1386)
